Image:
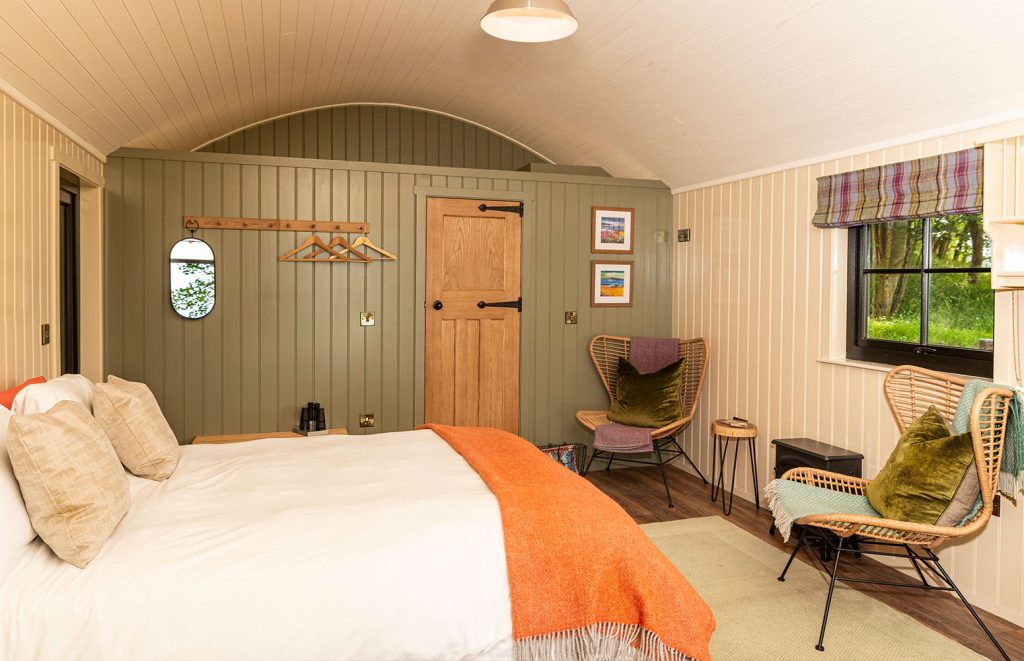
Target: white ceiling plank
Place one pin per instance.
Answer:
(137, 51)
(681, 90)
(35, 45)
(111, 68)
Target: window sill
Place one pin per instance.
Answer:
(881, 367)
(858, 364)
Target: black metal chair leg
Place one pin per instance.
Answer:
(796, 549)
(917, 565)
(610, 457)
(687, 457)
(753, 469)
(977, 618)
(828, 600)
(661, 465)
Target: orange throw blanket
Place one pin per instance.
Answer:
(584, 580)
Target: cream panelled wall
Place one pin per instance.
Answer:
(769, 292)
(31, 151)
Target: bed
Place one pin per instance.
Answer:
(388, 546)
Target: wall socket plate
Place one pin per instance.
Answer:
(366, 319)
(570, 317)
(44, 334)
(366, 420)
(682, 236)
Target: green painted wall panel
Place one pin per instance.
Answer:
(378, 134)
(282, 334)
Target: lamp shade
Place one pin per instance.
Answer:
(529, 21)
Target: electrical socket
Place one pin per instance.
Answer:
(366, 420)
(45, 334)
(367, 319)
(570, 317)
(682, 236)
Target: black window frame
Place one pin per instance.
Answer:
(974, 362)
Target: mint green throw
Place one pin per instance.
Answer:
(1011, 471)
(789, 501)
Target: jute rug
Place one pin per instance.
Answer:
(760, 618)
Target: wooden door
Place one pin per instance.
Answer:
(472, 361)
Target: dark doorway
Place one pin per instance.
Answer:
(69, 274)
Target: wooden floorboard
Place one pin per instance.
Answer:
(641, 493)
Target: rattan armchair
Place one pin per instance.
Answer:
(909, 392)
(605, 351)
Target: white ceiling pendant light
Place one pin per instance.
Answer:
(530, 21)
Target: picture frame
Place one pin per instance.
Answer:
(611, 284)
(611, 230)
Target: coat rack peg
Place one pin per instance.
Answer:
(339, 249)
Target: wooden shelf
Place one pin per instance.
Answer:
(241, 438)
(1006, 235)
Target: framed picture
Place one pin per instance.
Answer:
(611, 230)
(611, 284)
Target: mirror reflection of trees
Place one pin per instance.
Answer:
(960, 304)
(193, 278)
(194, 299)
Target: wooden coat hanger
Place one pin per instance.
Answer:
(363, 240)
(313, 241)
(346, 247)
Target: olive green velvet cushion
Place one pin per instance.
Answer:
(928, 475)
(647, 400)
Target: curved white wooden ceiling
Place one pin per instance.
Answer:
(683, 91)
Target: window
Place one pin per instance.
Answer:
(920, 293)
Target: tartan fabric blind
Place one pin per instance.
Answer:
(937, 185)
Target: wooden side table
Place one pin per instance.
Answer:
(240, 438)
(721, 433)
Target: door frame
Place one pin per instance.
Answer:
(529, 199)
(91, 227)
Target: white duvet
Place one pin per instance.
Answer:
(346, 547)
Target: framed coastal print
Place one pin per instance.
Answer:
(611, 230)
(611, 284)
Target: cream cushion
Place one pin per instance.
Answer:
(16, 530)
(143, 440)
(74, 487)
(41, 397)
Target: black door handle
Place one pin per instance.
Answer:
(517, 304)
(437, 305)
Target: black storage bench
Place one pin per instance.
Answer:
(800, 452)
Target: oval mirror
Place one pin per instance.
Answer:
(193, 278)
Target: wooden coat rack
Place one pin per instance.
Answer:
(338, 249)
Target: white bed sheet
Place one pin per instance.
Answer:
(347, 547)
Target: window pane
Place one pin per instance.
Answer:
(894, 307)
(895, 245)
(959, 241)
(961, 310)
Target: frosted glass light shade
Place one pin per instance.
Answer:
(529, 21)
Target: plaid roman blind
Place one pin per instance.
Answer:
(944, 184)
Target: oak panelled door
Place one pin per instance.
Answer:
(472, 345)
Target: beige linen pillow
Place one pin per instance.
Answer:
(74, 487)
(143, 440)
